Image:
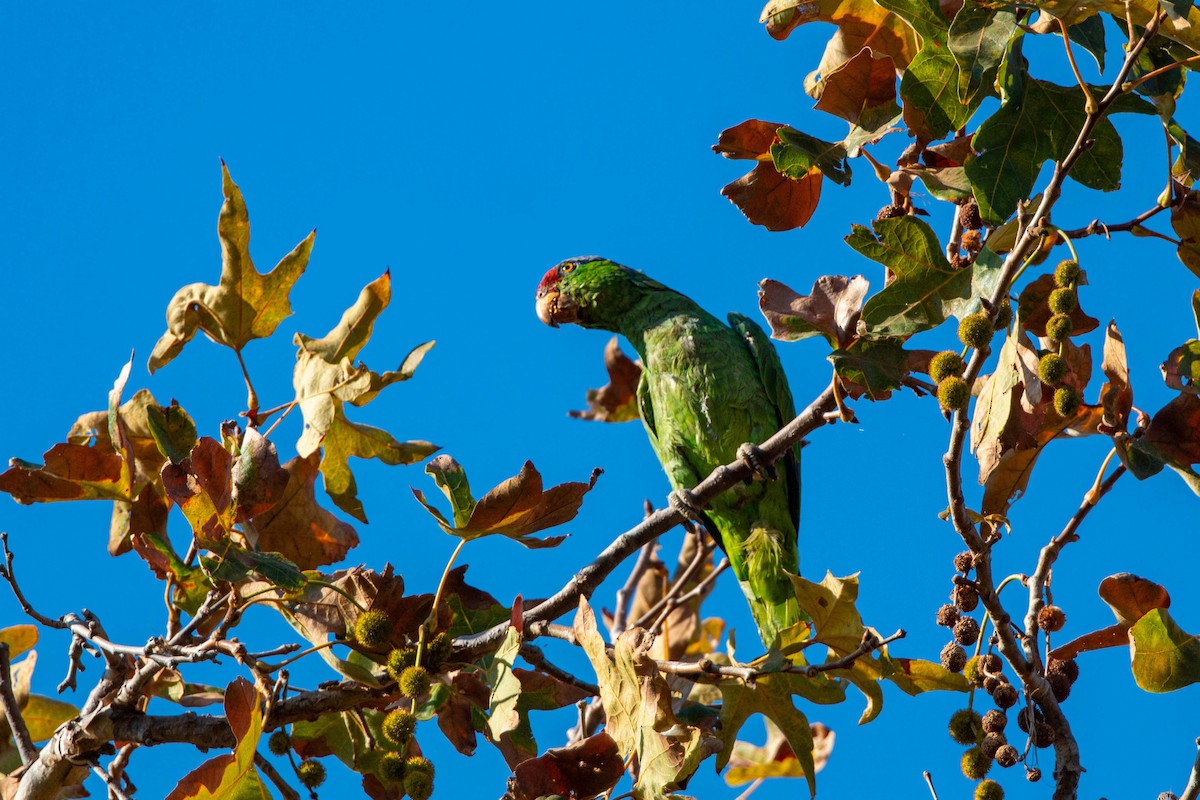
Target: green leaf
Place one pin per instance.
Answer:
(929, 89)
(503, 717)
(1165, 658)
(924, 16)
(1185, 219)
(979, 37)
(245, 304)
(925, 289)
(1037, 122)
(877, 366)
(797, 153)
(325, 379)
(173, 430)
(44, 715)
(19, 638)
(451, 478)
(1089, 34)
(277, 570)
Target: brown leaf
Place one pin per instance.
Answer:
(468, 695)
(258, 480)
(1034, 310)
(323, 611)
(773, 200)
(1130, 597)
(750, 139)
(861, 91)
(616, 401)
(1116, 395)
(68, 472)
(1185, 219)
(831, 309)
(298, 527)
(1175, 430)
(585, 769)
(200, 485)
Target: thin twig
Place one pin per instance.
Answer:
(750, 789)
(1096, 226)
(674, 602)
(268, 769)
(655, 612)
(929, 783)
(1192, 790)
(592, 575)
(12, 711)
(114, 789)
(626, 592)
(534, 655)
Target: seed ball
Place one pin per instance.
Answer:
(1051, 619)
(1005, 695)
(1066, 401)
(372, 628)
(1059, 328)
(440, 649)
(1066, 273)
(954, 658)
(1059, 667)
(990, 663)
(992, 743)
(947, 615)
(1023, 717)
(946, 364)
(975, 331)
(991, 683)
(965, 727)
(968, 216)
(399, 660)
(311, 773)
(966, 631)
(1003, 315)
(891, 211)
(989, 790)
(1033, 774)
(995, 721)
(1059, 686)
(414, 682)
(279, 743)
(1007, 756)
(964, 562)
(398, 725)
(975, 764)
(953, 393)
(971, 671)
(391, 767)
(1063, 301)
(965, 597)
(1052, 368)
(418, 785)
(420, 764)
(1043, 735)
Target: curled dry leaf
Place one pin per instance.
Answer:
(297, 526)
(1130, 597)
(245, 304)
(587, 768)
(765, 195)
(1116, 395)
(517, 508)
(616, 401)
(830, 310)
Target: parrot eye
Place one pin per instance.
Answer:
(565, 268)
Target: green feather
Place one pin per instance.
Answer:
(707, 388)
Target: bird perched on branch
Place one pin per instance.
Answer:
(708, 391)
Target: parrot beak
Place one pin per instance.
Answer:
(547, 305)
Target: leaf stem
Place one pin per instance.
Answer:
(437, 599)
(251, 395)
(1089, 101)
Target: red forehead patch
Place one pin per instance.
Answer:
(549, 280)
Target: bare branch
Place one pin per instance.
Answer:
(12, 711)
(268, 769)
(1192, 790)
(534, 655)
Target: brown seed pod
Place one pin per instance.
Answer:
(1007, 756)
(964, 562)
(1051, 619)
(954, 658)
(1005, 695)
(995, 721)
(947, 615)
(966, 631)
(965, 597)
(1068, 668)
(992, 743)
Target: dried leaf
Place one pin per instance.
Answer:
(298, 527)
(775, 759)
(245, 304)
(231, 777)
(517, 508)
(831, 309)
(1116, 395)
(587, 768)
(616, 401)
(861, 91)
(200, 485)
(1034, 309)
(765, 195)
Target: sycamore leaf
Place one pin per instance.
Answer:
(259, 482)
(503, 717)
(797, 154)
(1185, 219)
(1181, 370)
(325, 379)
(775, 759)
(587, 768)
(232, 776)
(1165, 657)
(873, 368)
(466, 609)
(456, 717)
(925, 289)
(1034, 309)
(979, 37)
(297, 527)
(1180, 26)
(861, 91)
(517, 508)
(1172, 439)
(200, 485)
(44, 715)
(1116, 395)
(765, 195)
(1089, 34)
(929, 88)
(171, 429)
(245, 304)
(637, 706)
(616, 401)
(67, 472)
(19, 638)
(830, 310)
(1130, 597)
(1037, 122)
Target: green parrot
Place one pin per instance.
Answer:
(708, 392)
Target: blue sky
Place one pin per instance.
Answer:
(468, 149)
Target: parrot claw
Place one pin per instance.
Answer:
(686, 504)
(753, 457)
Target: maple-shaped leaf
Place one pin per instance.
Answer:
(1038, 121)
(466, 701)
(1181, 24)
(355, 737)
(637, 707)
(202, 488)
(517, 508)
(245, 304)
(587, 768)
(503, 717)
(766, 195)
(771, 695)
(775, 758)
(616, 401)
(831, 309)
(326, 378)
(231, 776)
(871, 368)
(925, 289)
(297, 526)
(466, 609)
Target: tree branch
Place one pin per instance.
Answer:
(12, 711)
(1192, 790)
(592, 575)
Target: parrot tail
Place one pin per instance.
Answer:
(766, 584)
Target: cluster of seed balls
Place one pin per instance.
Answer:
(946, 368)
(373, 629)
(984, 735)
(1052, 368)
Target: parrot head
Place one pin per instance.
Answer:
(590, 291)
(556, 303)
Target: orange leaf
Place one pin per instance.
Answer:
(773, 200)
(298, 527)
(616, 401)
